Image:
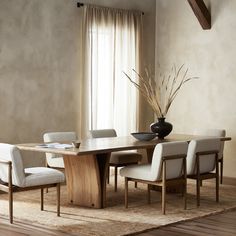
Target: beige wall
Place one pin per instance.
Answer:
(210, 101)
(40, 66)
(38, 69)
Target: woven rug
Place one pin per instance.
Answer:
(115, 219)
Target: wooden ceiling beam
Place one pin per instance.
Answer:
(201, 12)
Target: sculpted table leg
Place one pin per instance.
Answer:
(149, 152)
(86, 179)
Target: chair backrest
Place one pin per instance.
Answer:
(207, 162)
(173, 167)
(103, 133)
(58, 137)
(11, 153)
(214, 133)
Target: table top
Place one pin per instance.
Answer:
(105, 145)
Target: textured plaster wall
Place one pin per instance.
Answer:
(40, 65)
(38, 69)
(210, 101)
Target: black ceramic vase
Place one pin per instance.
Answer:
(161, 127)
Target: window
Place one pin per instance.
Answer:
(112, 47)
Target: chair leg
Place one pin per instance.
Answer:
(148, 194)
(46, 165)
(217, 189)
(10, 196)
(115, 178)
(217, 182)
(198, 180)
(126, 192)
(221, 171)
(42, 192)
(58, 198)
(135, 184)
(163, 199)
(108, 175)
(185, 195)
(163, 188)
(198, 192)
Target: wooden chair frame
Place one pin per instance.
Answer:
(182, 180)
(200, 177)
(10, 188)
(221, 162)
(111, 133)
(116, 166)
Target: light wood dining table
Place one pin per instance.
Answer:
(86, 167)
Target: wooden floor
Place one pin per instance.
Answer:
(19, 228)
(223, 224)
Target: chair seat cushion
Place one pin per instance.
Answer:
(41, 175)
(125, 157)
(142, 171)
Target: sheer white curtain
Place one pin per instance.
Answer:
(112, 41)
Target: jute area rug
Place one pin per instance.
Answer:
(115, 219)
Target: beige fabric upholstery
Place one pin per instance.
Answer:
(42, 175)
(152, 172)
(26, 177)
(103, 133)
(121, 157)
(141, 171)
(11, 153)
(54, 160)
(214, 133)
(207, 163)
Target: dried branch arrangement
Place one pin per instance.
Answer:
(160, 94)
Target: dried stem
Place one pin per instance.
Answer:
(160, 96)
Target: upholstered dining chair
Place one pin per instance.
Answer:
(55, 160)
(118, 159)
(168, 167)
(13, 176)
(216, 133)
(202, 160)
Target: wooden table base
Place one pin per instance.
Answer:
(86, 179)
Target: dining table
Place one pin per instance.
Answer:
(86, 167)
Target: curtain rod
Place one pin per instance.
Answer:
(80, 4)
